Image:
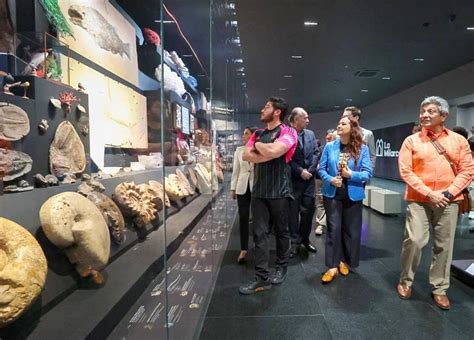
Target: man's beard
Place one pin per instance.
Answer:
(267, 119)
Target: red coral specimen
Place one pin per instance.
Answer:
(67, 99)
(151, 36)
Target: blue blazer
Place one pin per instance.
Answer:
(360, 173)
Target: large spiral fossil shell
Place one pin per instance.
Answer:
(157, 195)
(184, 181)
(193, 178)
(174, 188)
(158, 187)
(14, 122)
(66, 153)
(23, 269)
(136, 202)
(14, 164)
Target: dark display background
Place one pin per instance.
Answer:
(386, 166)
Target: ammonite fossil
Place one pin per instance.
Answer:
(174, 188)
(66, 153)
(14, 122)
(157, 196)
(135, 202)
(111, 213)
(14, 164)
(23, 269)
(193, 178)
(73, 223)
(158, 187)
(185, 182)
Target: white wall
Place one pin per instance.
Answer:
(403, 107)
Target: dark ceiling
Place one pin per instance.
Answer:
(351, 36)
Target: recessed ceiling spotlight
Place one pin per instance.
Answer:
(364, 90)
(348, 99)
(310, 23)
(386, 78)
(296, 57)
(346, 66)
(201, 75)
(238, 61)
(287, 76)
(470, 28)
(282, 89)
(336, 107)
(419, 60)
(186, 56)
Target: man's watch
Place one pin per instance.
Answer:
(448, 195)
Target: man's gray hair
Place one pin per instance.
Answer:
(296, 111)
(442, 104)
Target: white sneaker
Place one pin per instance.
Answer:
(319, 230)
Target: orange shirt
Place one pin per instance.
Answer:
(424, 170)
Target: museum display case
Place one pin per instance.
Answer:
(114, 205)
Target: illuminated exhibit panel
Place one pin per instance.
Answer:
(102, 35)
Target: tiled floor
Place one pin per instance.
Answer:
(363, 305)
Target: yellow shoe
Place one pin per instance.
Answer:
(329, 276)
(343, 269)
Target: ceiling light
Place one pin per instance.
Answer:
(186, 56)
(238, 61)
(287, 76)
(348, 99)
(364, 90)
(470, 28)
(336, 106)
(236, 41)
(165, 21)
(419, 59)
(386, 78)
(310, 23)
(233, 23)
(282, 89)
(201, 75)
(296, 57)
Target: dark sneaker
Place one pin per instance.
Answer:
(278, 276)
(255, 286)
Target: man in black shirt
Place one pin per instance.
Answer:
(271, 150)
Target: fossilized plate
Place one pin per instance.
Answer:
(14, 122)
(161, 192)
(14, 164)
(185, 182)
(73, 223)
(23, 269)
(66, 153)
(111, 213)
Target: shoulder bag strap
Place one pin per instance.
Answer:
(442, 151)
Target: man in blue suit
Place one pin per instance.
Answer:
(303, 171)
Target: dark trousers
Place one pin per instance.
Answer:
(301, 217)
(243, 202)
(344, 224)
(262, 209)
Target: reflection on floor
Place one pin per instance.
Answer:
(363, 305)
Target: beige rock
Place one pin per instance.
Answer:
(23, 269)
(193, 178)
(157, 186)
(157, 195)
(173, 187)
(66, 153)
(15, 123)
(73, 223)
(184, 181)
(136, 202)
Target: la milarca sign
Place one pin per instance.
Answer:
(383, 149)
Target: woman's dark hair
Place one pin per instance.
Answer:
(356, 140)
(251, 128)
(460, 130)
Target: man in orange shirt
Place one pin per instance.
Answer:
(433, 192)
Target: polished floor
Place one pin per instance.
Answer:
(363, 305)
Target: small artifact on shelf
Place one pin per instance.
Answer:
(40, 181)
(67, 99)
(69, 179)
(52, 180)
(55, 102)
(14, 164)
(8, 86)
(151, 37)
(43, 126)
(81, 108)
(25, 86)
(158, 187)
(135, 202)
(90, 185)
(111, 213)
(81, 87)
(174, 188)
(23, 269)
(22, 185)
(66, 153)
(73, 223)
(185, 182)
(193, 178)
(14, 122)
(86, 177)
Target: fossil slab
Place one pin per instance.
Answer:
(14, 164)
(156, 194)
(193, 178)
(73, 223)
(135, 201)
(23, 269)
(14, 122)
(185, 182)
(174, 188)
(111, 213)
(158, 187)
(66, 153)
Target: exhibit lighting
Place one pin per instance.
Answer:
(470, 28)
(364, 90)
(310, 23)
(386, 78)
(419, 60)
(282, 89)
(296, 57)
(287, 76)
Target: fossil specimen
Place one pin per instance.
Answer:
(174, 188)
(73, 223)
(157, 196)
(19, 187)
(193, 178)
(69, 179)
(135, 202)
(66, 153)
(158, 187)
(14, 122)
(111, 213)
(52, 180)
(185, 182)
(89, 186)
(14, 164)
(67, 99)
(43, 126)
(100, 30)
(55, 102)
(81, 108)
(204, 179)
(40, 181)
(23, 269)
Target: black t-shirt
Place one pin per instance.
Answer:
(341, 193)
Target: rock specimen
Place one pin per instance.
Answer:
(158, 187)
(73, 223)
(174, 188)
(204, 178)
(43, 126)
(69, 179)
(55, 102)
(193, 178)
(40, 181)
(135, 202)
(66, 153)
(184, 181)
(52, 180)
(14, 122)
(23, 269)
(18, 187)
(89, 186)
(14, 164)
(156, 194)
(111, 213)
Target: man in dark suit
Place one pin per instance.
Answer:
(303, 171)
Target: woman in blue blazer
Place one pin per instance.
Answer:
(345, 167)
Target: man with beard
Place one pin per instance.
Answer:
(271, 150)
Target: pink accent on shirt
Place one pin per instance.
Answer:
(288, 136)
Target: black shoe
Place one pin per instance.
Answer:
(278, 276)
(255, 286)
(293, 252)
(309, 247)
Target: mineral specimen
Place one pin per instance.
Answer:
(14, 122)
